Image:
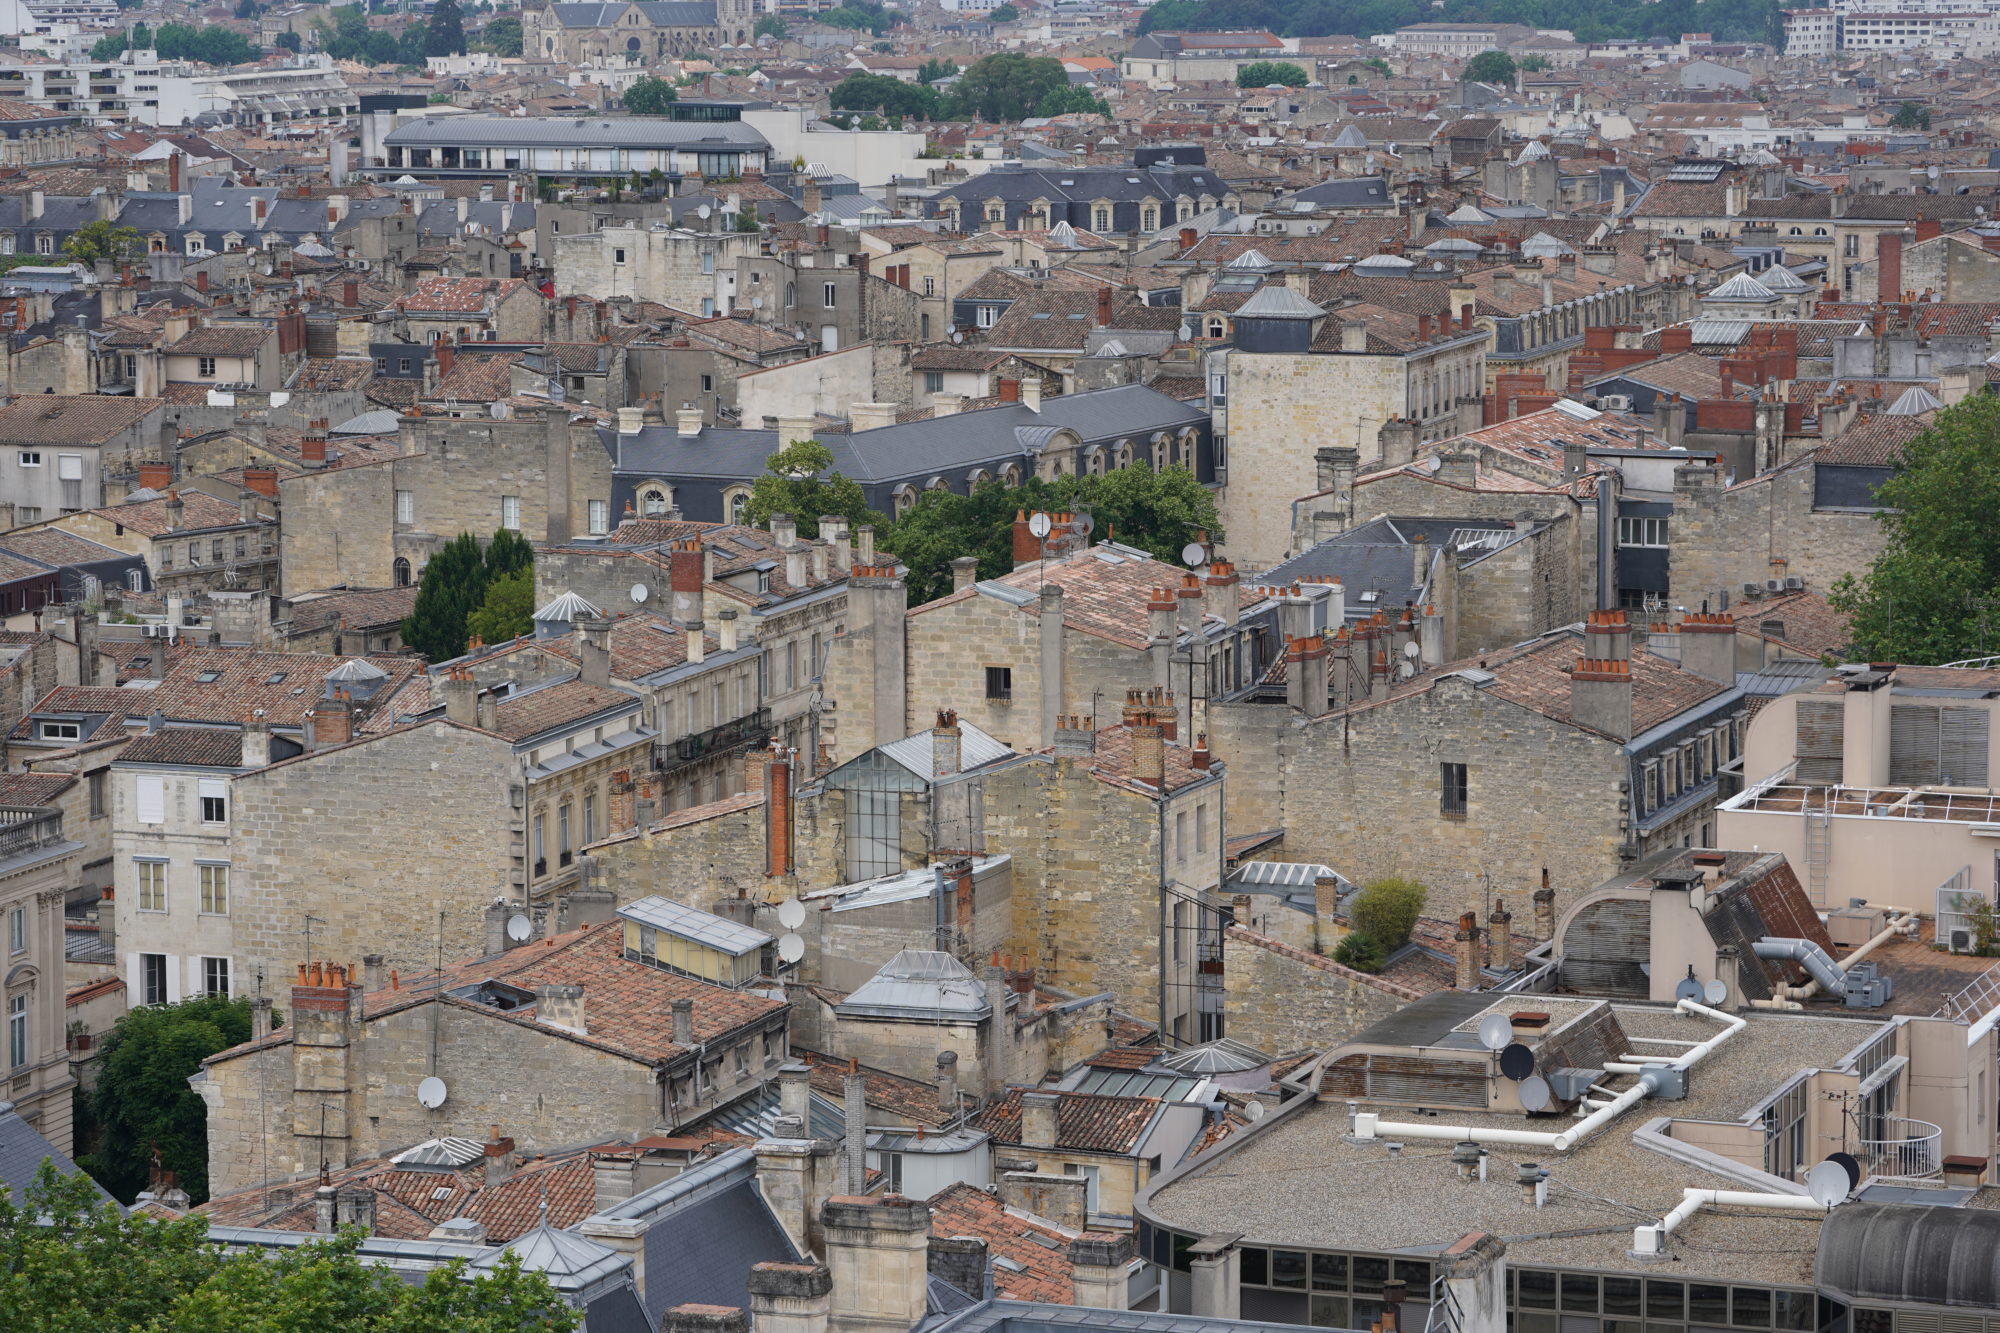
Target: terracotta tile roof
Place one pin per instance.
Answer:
(1538, 678)
(445, 295)
(208, 747)
(1689, 374)
(905, 1097)
(1804, 623)
(475, 378)
(359, 609)
(1085, 1122)
(220, 340)
(539, 709)
(1038, 1246)
(1063, 321)
(199, 510)
(397, 393)
(53, 546)
(180, 394)
(1873, 441)
(744, 335)
(329, 374)
(134, 657)
(1124, 1057)
(641, 643)
(33, 788)
(943, 356)
(71, 418)
(1100, 598)
(1111, 761)
(284, 685)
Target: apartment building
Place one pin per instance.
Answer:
(37, 866)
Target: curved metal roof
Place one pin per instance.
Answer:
(1900, 1252)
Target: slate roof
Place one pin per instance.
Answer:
(22, 1152)
(1085, 1122)
(1086, 184)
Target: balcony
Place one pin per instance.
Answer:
(1908, 1149)
(28, 828)
(750, 729)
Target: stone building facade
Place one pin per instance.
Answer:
(37, 864)
(1279, 997)
(1768, 527)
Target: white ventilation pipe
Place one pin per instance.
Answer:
(1652, 1240)
(1368, 1125)
(1788, 997)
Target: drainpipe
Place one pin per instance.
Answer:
(1650, 1242)
(1652, 1076)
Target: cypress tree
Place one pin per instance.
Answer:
(508, 553)
(445, 34)
(454, 583)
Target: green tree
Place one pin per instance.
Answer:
(508, 553)
(142, 1100)
(446, 30)
(70, 1261)
(1922, 599)
(799, 480)
(770, 26)
(453, 585)
(411, 43)
(1264, 73)
(1379, 65)
(1358, 952)
(1532, 64)
(1386, 911)
(933, 70)
(1911, 116)
(649, 96)
(879, 92)
(508, 609)
(1011, 86)
(247, 9)
(287, 41)
(205, 45)
(102, 239)
(1489, 67)
(1003, 14)
(859, 14)
(381, 47)
(502, 36)
(109, 48)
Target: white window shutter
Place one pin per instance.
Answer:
(174, 991)
(212, 788)
(135, 981)
(151, 793)
(69, 467)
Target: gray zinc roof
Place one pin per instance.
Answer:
(920, 983)
(564, 131)
(1278, 303)
(691, 923)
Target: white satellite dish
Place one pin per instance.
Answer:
(519, 927)
(1406, 670)
(791, 948)
(1194, 555)
(640, 592)
(1535, 1093)
(1828, 1184)
(1253, 1111)
(791, 914)
(1715, 992)
(431, 1094)
(1039, 524)
(1410, 650)
(1496, 1031)
(756, 303)
(703, 212)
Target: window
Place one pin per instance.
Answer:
(652, 502)
(564, 854)
(215, 976)
(1101, 219)
(1200, 828)
(17, 930)
(600, 517)
(99, 793)
(214, 795)
(214, 879)
(153, 978)
(589, 816)
(827, 293)
(984, 315)
(792, 664)
(999, 682)
(1642, 532)
(541, 850)
(17, 1031)
(708, 261)
(406, 506)
(61, 731)
(403, 364)
(510, 512)
(152, 883)
(28, 513)
(930, 286)
(617, 256)
(874, 834)
(205, 367)
(402, 572)
(1180, 847)
(31, 458)
(1451, 795)
(150, 798)
(708, 383)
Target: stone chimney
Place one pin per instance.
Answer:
(1353, 335)
(499, 1156)
(1466, 974)
(1708, 645)
(878, 1251)
(1038, 1119)
(960, 1262)
(354, 1206)
(854, 1129)
(946, 741)
(1031, 393)
(964, 572)
(1221, 596)
(696, 1318)
(614, 1178)
(683, 1011)
(561, 1007)
(790, 1298)
(326, 1072)
(947, 1082)
(687, 421)
(1097, 1264)
(998, 1034)
(1545, 909)
(1500, 937)
(256, 736)
(871, 416)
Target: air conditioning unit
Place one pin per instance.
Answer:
(1793, 583)
(1961, 941)
(1774, 585)
(1615, 402)
(1753, 590)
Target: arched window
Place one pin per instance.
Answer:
(1101, 218)
(1093, 460)
(402, 572)
(791, 294)
(903, 498)
(1215, 326)
(632, 44)
(739, 505)
(1819, 231)
(937, 484)
(1184, 455)
(1122, 456)
(654, 501)
(1011, 474)
(1159, 451)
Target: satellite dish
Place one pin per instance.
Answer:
(640, 592)
(791, 948)
(1853, 1167)
(1040, 525)
(1253, 1111)
(1086, 523)
(1496, 1031)
(1517, 1062)
(1688, 989)
(519, 927)
(1715, 992)
(791, 914)
(1194, 555)
(1535, 1093)
(431, 1093)
(1828, 1183)
(1405, 670)
(703, 212)
(756, 303)
(1410, 650)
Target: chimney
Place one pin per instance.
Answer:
(999, 1029)
(945, 737)
(1889, 265)
(964, 572)
(687, 420)
(499, 1156)
(795, 1094)
(1104, 307)
(326, 1205)
(614, 1178)
(725, 633)
(256, 736)
(312, 447)
(683, 1010)
(1353, 335)
(1149, 751)
(560, 1007)
(1466, 976)
(1027, 547)
(333, 720)
(778, 813)
(260, 1014)
(1097, 1264)
(1010, 390)
(854, 1129)
(1708, 645)
(947, 1082)
(696, 1318)
(960, 1262)
(1500, 937)
(1038, 1119)
(156, 476)
(1545, 909)
(871, 416)
(355, 1207)
(790, 1297)
(687, 573)
(261, 481)
(1031, 392)
(1600, 695)
(878, 1250)
(1221, 595)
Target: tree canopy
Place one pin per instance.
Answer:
(445, 31)
(1490, 67)
(1911, 116)
(101, 239)
(70, 1262)
(649, 96)
(507, 610)
(453, 586)
(1264, 73)
(1938, 577)
(890, 96)
(770, 26)
(1386, 911)
(1002, 14)
(502, 35)
(142, 1100)
(799, 480)
(1590, 20)
(865, 15)
(1011, 86)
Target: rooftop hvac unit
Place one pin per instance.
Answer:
(1773, 585)
(1753, 590)
(1961, 941)
(1793, 583)
(1615, 402)
(1865, 987)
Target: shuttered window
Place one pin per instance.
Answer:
(150, 791)
(1931, 746)
(1822, 732)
